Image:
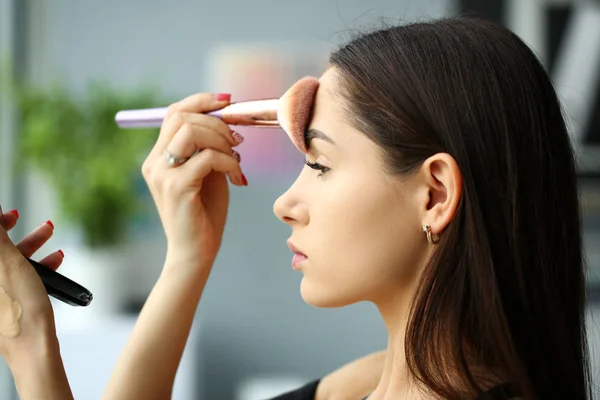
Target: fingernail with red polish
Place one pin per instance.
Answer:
(14, 212)
(244, 180)
(238, 138)
(61, 253)
(50, 223)
(222, 96)
(237, 156)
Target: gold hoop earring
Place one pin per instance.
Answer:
(431, 238)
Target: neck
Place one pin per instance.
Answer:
(396, 381)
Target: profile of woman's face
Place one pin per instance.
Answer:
(356, 223)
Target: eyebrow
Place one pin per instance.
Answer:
(316, 134)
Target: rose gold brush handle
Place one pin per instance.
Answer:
(260, 113)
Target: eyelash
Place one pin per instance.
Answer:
(317, 167)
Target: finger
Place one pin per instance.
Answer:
(192, 137)
(10, 219)
(10, 256)
(36, 239)
(200, 103)
(54, 260)
(181, 119)
(199, 166)
(212, 123)
(195, 104)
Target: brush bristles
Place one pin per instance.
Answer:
(295, 109)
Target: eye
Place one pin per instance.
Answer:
(317, 167)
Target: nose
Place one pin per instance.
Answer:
(290, 210)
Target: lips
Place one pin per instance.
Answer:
(299, 256)
(294, 249)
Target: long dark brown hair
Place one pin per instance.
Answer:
(505, 289)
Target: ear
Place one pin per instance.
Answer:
(17, 310)
(442, 181)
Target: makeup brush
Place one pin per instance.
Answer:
(291, 112)
(295, 110)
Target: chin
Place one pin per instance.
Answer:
(324, 296)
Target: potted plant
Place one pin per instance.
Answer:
(73, 142)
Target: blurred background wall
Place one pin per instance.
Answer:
(252, 322)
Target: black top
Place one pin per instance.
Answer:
(307, 392)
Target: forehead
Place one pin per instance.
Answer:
(331, 115)
(354, 153)
(328, 92)
(328, 109)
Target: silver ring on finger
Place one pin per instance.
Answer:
(173, 161)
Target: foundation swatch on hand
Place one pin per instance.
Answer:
(10, 314)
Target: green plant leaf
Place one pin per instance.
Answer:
(73, 141)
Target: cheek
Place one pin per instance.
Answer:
(366, 240)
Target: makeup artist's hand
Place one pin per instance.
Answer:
(21, 283)
(192, 198)
(28, 341)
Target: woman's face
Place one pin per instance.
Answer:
(357, 225)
